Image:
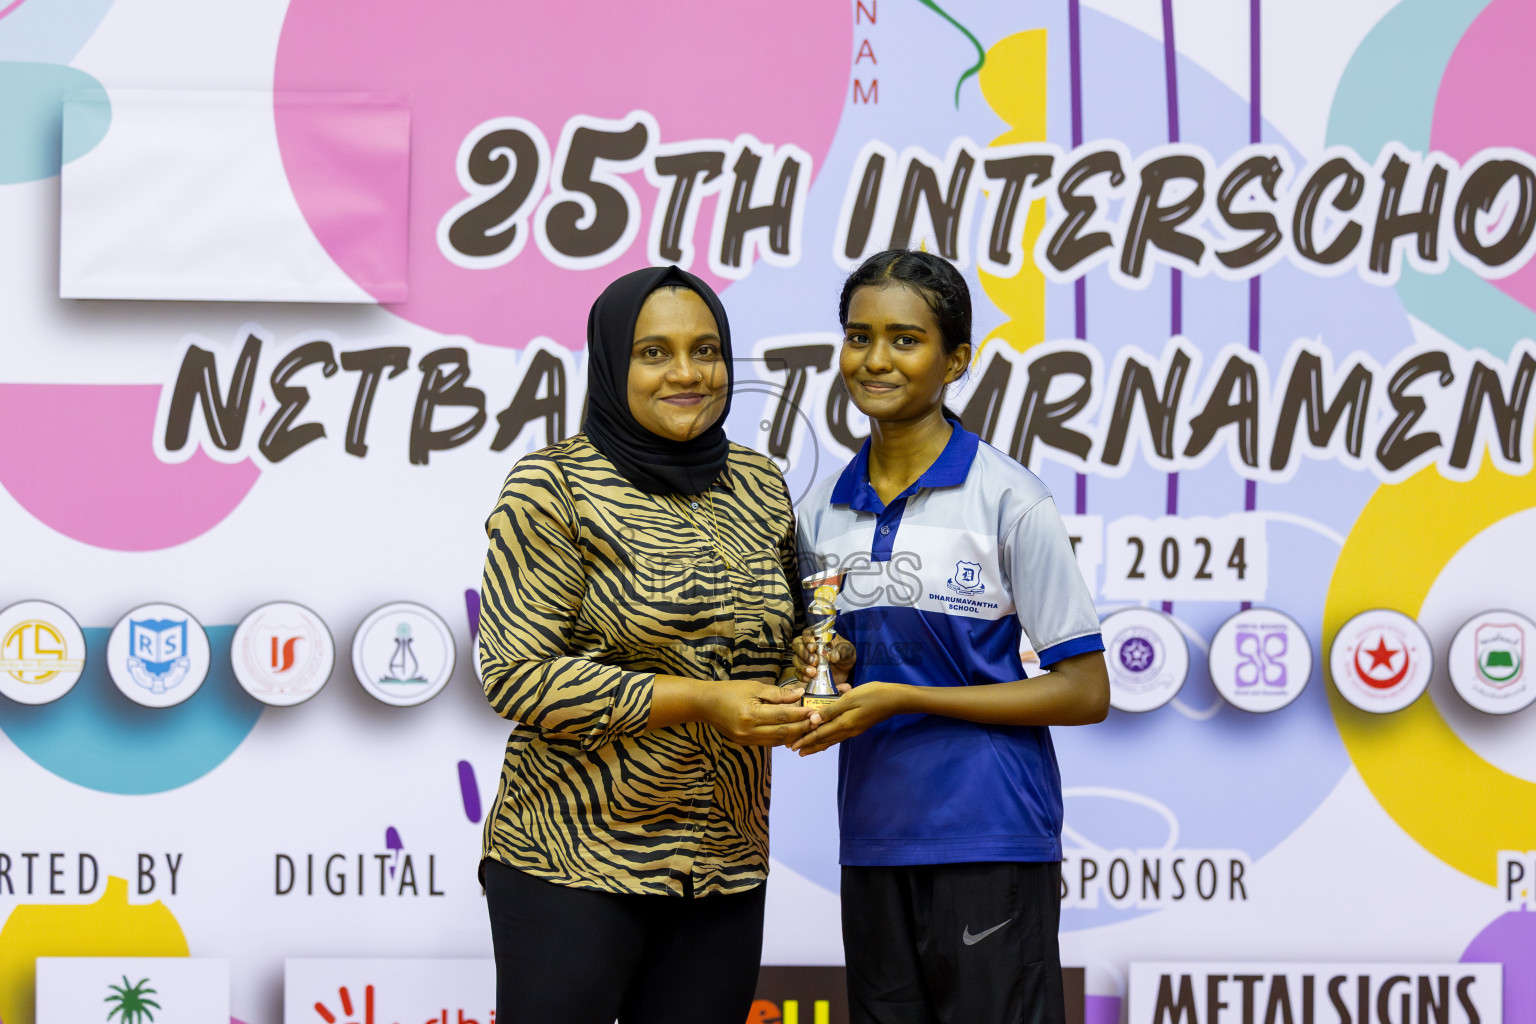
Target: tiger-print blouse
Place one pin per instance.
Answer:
(591, 588)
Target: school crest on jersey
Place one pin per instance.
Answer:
(966, 579)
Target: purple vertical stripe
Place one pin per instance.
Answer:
(1176, 302)
(1251, 488)
(1075, 47)
(1255, 134)
(1170, 71)
(1253, 314)
(1176, 298)
(1255, 130)
(1080, 286)
(1255, 118)
(1171, 75)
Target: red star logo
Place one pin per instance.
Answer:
(1381, 654)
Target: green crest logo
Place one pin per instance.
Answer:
(1500, 653)
(133, 1002)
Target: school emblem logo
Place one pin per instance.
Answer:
(403, 654)
(1260, 660)
(1138, 653)
(42, 652)
(1148, 659)
(1381, 661)
(158, 655)
(966, 579)
(1487, 662)
(1500, 653)
(282, 654)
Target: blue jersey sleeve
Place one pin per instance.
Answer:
(1052, 601)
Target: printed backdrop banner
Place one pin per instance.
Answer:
(1253, 297)
(172, 990)
(435, 991)
(1334, 992)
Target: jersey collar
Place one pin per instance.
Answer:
(948, 470)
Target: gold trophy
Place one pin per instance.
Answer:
(821, 616)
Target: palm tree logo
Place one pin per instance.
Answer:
(132, 1001)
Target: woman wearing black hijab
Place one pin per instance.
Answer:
(638, 604)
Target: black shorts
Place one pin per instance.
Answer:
(953, 943)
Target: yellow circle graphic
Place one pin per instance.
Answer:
(1452, 802)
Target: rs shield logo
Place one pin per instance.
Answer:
(157, 655)
(157, 659)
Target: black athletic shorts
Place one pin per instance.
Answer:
(953, 943)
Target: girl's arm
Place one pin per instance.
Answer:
(1074, 692)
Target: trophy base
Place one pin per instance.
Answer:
(814, 701)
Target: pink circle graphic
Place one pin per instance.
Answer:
(80, 457)
(1486, 100)
(705, 69)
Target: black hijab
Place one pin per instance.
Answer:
(654, 464)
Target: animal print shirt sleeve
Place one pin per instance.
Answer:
(531, 595)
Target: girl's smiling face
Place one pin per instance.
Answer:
(893, 360)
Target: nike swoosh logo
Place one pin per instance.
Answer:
(971, 940)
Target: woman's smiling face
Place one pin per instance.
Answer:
(677, 373)
(892, 359)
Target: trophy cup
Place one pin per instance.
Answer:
(821, 616)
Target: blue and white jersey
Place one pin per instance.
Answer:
(939, 588)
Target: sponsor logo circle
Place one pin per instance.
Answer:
(1489, 662)
(403, 654)
(282, 654)
(1260, 660)
(1148, 659)
(42, 652)
(158, 655)
(1381, 661)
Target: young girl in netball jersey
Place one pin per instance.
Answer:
(949, 797)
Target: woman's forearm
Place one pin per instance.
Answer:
(675, 700)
